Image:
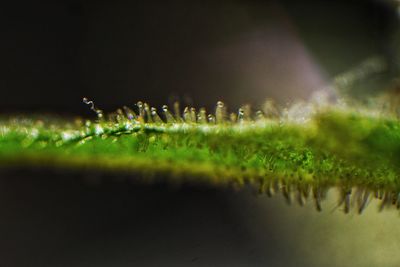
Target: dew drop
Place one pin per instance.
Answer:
(141, 111)
(129, 113)
(220, 112)
(211, 118)
(260, 116)
(240, 115)
(193, 115)
(246, 112)
(202, 116)
(112, 117)
(167, 114)
(155, 117)
(120, 116)
(147, 113)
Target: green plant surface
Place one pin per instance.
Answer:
(354, 151)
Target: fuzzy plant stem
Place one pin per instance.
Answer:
(355, 152)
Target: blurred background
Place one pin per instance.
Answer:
(118, 52)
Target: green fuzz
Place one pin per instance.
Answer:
(353, 151)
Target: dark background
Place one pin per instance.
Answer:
(117, 52)
(53, 53)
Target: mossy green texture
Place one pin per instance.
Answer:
(333, 148)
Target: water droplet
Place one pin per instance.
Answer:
(186, 115)
(130, 114)
(211, 118)
(147, 113)
(112, 117)
(260, 116)
(155, 117)
(193, 115)
(240, 115)
(246, 112)
(220, 112)
(168, 116)
(202, 116)
(141, 112)
(120, 116)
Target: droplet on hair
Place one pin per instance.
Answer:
(211, 119)
(154, 116)
(120, 116)
(112, 117)
(129, 113)
(240, 117)
(260, 116)
(147, 113)
(246, 112)
(193, 115)
(141, 112)
(202, 116)
(220, 112)
(186, 115)
(167, 114)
